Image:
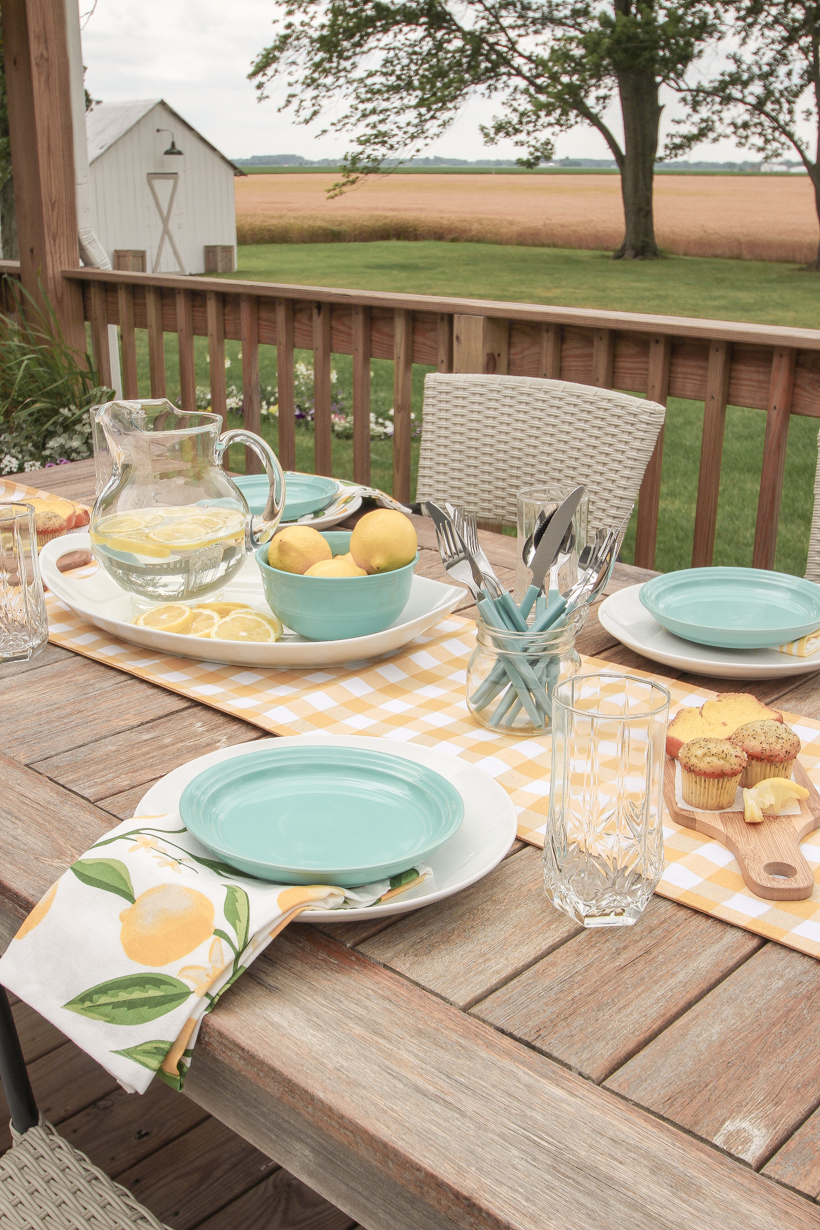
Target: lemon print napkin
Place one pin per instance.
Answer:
(136, 942)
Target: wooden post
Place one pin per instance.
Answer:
(649, 498)
(42, 157)
(125, 303)
(361, 395)
(774, 455)
(603, 358)
(99, 332)
(185, 339)
(285, 389)
(322, 423)
(550, 359)
(711, 453)
(444, 343)
(156, 340)
(402, 402)
(481, 344)
(251, 396)
(216, 354)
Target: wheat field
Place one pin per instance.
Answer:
(761, 217)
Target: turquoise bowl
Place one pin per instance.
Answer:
(321, 815)
(335, 608)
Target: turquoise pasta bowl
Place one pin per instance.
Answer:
(321, 815)
(335, 608)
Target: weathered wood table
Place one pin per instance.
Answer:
(483, 1062)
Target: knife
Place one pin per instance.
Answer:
(550, 545)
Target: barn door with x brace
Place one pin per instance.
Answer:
(165, 215)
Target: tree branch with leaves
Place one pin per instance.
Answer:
(399, 71)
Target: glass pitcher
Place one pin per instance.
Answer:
(169, 525)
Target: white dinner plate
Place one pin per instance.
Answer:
(103, 603)
(625, 617)
(483, 838)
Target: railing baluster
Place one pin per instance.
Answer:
(711, 453)
(99, 333)
(251, 397)
(444, 347)
(551, 337)
(361, 394)
(286, 396)
(125, 302)
(649, 497)
(322, 424)
(774, 455)
(603, 358)
(187, 365)
(402, 402)
(216, 354)
(156, 340)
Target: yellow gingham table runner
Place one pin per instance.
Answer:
(418, 695)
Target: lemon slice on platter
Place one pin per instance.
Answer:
(248, 626)
(221, 609)
(170, 617)
(204, 623)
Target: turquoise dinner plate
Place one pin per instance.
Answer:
(304, 493)
(321, 815)
(733, 608)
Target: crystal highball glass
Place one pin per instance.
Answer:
(23, 620)
(603, 848)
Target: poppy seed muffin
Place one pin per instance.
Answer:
(710, 772)
(771, 749)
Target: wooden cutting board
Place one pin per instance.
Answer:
(769, 853)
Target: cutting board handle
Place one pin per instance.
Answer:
(772, 866)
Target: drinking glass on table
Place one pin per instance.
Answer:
(545, 498)
(23, 621)
(603, 848)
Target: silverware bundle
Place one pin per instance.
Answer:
(525, 674)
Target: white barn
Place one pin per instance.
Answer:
(155, 210)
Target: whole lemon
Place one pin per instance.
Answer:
(296, 548)
(339, 566)
(165, 923)
(383, 540)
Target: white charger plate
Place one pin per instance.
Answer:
(483, 838)
(625, 617)
(103, 603)
(328, 518)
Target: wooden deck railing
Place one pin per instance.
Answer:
(768, 368)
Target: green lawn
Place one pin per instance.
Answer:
(684, 286)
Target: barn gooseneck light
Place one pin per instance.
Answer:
(172, 148)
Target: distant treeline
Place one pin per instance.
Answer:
(596, 164)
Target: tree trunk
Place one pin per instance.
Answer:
(8, 222)
(641, 111)
(815, 183)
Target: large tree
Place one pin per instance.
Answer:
(398, 71)
(767, 97)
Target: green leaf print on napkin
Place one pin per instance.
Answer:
(106, 873)
(134, 999)
(237, 910)
(149, 1054)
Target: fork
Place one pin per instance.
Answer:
(466, 524)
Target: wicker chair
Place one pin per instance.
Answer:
(484, 438)
(45, 1184)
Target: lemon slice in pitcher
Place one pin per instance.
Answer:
(170, 617)
(127, 523)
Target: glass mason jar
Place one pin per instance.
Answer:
(511, 675)
(603, 848)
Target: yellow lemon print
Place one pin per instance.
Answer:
(38, 913)
(165, 923)
(301, 894)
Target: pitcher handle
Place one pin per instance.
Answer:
(276, 479)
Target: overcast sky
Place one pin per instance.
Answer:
(196, 54)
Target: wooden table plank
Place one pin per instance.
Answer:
(207, 1167)
(279, 1202)
(742, 1067)
(110, 765)
(47, 656)
(69, 704)
(797, 1164)
(37, 1036)
(467, 945)
(409, 1114)
(604, 996)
